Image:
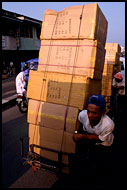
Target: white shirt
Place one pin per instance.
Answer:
(103, 129)
(20, 83)
(118, 84)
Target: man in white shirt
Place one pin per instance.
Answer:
(22, 80)
(95, 122)
(20, 83)
(96, 133)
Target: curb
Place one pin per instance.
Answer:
(9, 102)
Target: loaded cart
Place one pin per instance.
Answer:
(38, 162)
(70, 67)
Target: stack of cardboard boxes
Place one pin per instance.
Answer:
(111, 67)
(71, 61)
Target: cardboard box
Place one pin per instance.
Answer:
(62, 89)
(53, 139)
(52, 116)
(111, 70)
(82, 57)
(112, 59)
(112, 48)
(67, 24)
(108, 69)
(106, 86)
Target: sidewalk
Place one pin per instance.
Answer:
(8, 92)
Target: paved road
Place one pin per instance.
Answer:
(14, 174)
(8, 87)
(8, 92)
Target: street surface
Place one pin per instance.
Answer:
(14, 174)
(8, 87)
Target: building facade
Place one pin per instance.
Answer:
(20, 39)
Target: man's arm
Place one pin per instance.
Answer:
(79, 136)
(77, 125)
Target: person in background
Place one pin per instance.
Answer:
(11, 68)
(26, 72)
(20, 83)
(118, 92)
(32, 67)
(94, 133)
(22, 65)
(25, 66)
(22, 80)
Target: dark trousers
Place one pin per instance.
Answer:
(122, 104)
(91, 159)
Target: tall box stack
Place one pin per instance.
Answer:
(112, 65)
(71, 61)
(73, 41)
